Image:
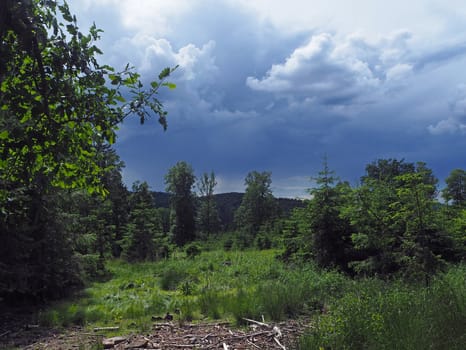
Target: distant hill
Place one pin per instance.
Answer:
(288, 204)
(227, 203)
(161, 199)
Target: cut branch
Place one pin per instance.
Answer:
(279, 344)
(96, 329)
(256, 322)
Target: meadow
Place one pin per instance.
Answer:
(343, 313)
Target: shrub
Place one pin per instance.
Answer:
(263, 241)
(192, 250)
(228, 244)
(171, 278)
(187, 287)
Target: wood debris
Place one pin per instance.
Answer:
(173, 336)
(217, 336)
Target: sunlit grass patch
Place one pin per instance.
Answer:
(137, 293)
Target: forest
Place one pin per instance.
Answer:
(375, 265)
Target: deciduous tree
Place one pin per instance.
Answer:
(455, 191)
(179, 182)
(258, 205)
(58, 107)
(208, 219)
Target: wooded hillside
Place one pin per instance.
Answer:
(228, 203)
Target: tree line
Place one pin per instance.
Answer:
(394, 223)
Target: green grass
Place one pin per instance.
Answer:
(139, 291)
(377, 315)
(231, 285)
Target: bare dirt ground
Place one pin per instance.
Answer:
(16, 334)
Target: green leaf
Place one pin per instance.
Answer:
(164, 73)
(120, 98)
(171, 86)
(115, 79)
(4, 135)
(71, 29)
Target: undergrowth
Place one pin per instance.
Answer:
(377, 315)
(233, 285)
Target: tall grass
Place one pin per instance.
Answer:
(377, 315)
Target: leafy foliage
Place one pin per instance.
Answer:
(57, 107)
(180, 180)
(208, 219)
(397, 221)
(391, 224)
(456, 187)
(59, 111)
(258, 205)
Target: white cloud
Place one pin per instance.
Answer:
(226, 184)
(292, 187)
(152, 55)
(429, 19)
(456, 122)
(399, 71)
(197, 62)
(143, 16)
(447, 126)
(338, 71)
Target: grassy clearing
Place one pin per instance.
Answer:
(230, 285)
(213, 285)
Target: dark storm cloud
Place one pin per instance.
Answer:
(251, 96)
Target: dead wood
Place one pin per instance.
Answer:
(165, 336)
(279, 344)
(97, 329)
(5, 333)
(256, 322)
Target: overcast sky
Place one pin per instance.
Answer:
(275, 85)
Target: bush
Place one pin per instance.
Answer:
(263, 241)
(92, 267)
(171, 278)
(192, 250)
(228, 244)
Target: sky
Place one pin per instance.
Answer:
(277, 86)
